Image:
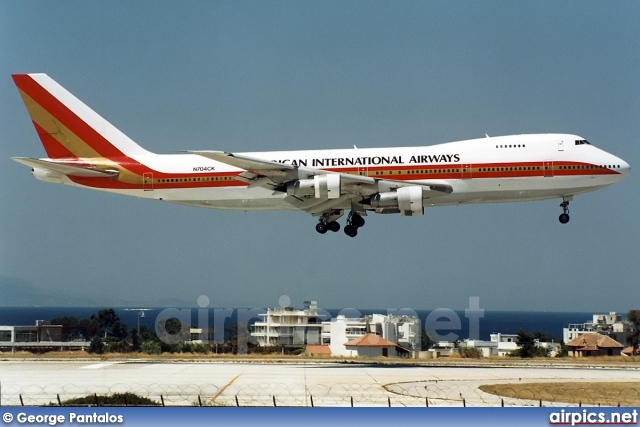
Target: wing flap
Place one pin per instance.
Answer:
(437, 186)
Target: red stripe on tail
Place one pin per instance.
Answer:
(67, 117)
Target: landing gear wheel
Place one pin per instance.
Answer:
(333, 226)
(321, 227)
(350, 231)
(328, 221)
(564, 216)
(357, 221)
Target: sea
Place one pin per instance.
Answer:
(449, 322)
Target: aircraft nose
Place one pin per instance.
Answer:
(625, 167)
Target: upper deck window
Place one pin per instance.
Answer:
(582, 142)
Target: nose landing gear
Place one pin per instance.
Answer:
(564, 216)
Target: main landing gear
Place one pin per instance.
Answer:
(328, 223)
(564, 216)
(354, 221)
(322, 227)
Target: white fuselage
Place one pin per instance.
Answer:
(486, 170)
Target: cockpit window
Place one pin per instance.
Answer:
(582, 142)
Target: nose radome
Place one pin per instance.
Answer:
(624, 166)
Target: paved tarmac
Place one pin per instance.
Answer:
(288, 384)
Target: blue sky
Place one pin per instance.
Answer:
(280, 75)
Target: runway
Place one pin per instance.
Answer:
(283, 384)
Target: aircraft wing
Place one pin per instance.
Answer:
(352, 188)
(244, 162)
(65, 169)
(256, 170)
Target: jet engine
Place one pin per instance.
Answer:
(407, 200)
(320, 186)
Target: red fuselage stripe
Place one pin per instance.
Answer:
(405, 173)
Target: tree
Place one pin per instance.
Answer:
(96, 345)
(72, 327)
(151, 347)
(119, 330)
(135, 340)
(114, 345)
(106, 332)
(470, 352)
(526, 342)
(106, 323)
(147, 334)
(543, 337)
(528, 345)
(425, 341)
(633, 336)
(171, 334)
(237, 338)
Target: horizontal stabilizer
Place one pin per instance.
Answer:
(66, 169)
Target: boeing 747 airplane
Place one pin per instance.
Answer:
(85, 150)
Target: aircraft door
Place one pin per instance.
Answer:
(147, 181)
(547, 168)
(363, 170)
(466, 171)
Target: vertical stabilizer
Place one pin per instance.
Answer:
(67, 127)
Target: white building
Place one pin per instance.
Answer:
(604, 324)
(554, 347)
(498, 344)
(41, 336)
(503, 344)
(286, 326)
(196, 336)
(337, 332)
(442, 349)
(403, 331)
(506, 343)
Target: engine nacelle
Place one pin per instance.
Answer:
(301, 188)
(407, 200)
(320, 186)
(384, 200)
(48, 176)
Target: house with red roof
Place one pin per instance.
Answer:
(594, 345)
(372, 345)
(628, 351)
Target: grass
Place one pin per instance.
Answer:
(117, 399)
(591, 393)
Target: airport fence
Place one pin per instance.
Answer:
(429, 393)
